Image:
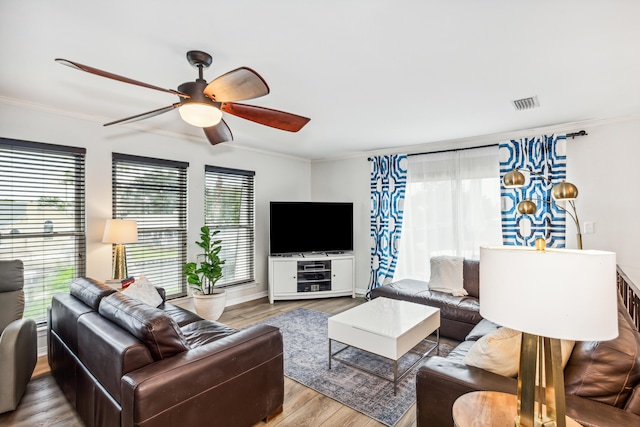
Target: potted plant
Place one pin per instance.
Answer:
(203, 275)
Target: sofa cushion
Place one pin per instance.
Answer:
(481, 329)
(90, 291)
(205, 331)
(181, 316)
(109, 352)
(143, 290)
(459, 352)
(447, 275)
(463, 309)
(471, 276)
(606, 371)
(158, 331)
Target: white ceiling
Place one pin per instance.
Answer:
(371, 74)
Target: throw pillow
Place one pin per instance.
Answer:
(499, 352)
(144, 291)
(447, 275)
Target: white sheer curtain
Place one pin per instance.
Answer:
(452, 207)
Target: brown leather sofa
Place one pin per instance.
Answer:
(602, 379)
(458, 315)
(121, 362)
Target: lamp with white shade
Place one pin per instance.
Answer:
(119, 232)
(549, 295)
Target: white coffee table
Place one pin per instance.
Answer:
(386, 327)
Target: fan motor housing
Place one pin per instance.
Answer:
(195, 92)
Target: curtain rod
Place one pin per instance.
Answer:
(569, 135)
(452, 150)
(579, 133)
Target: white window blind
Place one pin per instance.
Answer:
(154, 193)
(42, 217)
(229, 207)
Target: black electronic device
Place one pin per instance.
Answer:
(310, 227)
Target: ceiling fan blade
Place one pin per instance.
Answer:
(237, 85)
(266, 116)
(143, 115)
(108, 75)
(218, 133)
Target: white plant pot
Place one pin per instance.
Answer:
(210, 306)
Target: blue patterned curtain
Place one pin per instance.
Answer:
(388, 183)
(546, 156)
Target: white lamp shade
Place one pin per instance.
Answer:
(556, 293)
(120, 231)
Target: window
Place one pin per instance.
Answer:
(452, 207)
(229, 207)
(42, 217)
(154, 193)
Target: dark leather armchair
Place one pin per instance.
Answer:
(18, 342)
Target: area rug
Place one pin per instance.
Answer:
(306, 354)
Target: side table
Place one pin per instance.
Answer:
(488, 409)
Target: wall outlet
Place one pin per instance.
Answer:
(588, 227)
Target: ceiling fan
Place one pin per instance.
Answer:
(201, 104)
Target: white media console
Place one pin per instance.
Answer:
(311, 276)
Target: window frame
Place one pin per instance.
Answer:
(170, 183)
(56, 175)
(243, 265)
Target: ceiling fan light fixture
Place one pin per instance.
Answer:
(200, 114)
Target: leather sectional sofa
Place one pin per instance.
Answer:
(602, 379)
(458, 314)
(121, 362)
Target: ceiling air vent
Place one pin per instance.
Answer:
(526, 103)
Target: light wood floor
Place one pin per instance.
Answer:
(45, 405)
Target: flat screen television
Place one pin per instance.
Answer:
(299, 227)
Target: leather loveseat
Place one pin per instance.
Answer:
(121, 362)
(458, 314)
(602, 379)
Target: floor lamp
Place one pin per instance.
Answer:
(562, 191)
(548, 295)
(118, 232)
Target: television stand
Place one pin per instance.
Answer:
(308, 276)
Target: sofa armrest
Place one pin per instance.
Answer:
(212, 382)
(591, 413)
(440, 381)
(18, 355)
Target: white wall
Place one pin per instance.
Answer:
(602, 164)
(347, 180)
(19, 122)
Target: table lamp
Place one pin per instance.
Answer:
(548, 295)
(118, 232)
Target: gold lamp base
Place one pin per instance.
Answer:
(120, 263)
(541, 369)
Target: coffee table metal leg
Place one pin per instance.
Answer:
(395, 376)
(329, 353)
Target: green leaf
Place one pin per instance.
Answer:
(203, 276)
